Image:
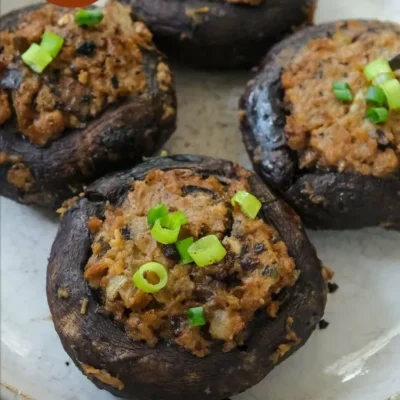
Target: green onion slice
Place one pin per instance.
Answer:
(36, 58)
(207, 250)
(196, 316)
(382, 78)
(157, 212)
(143, 284)
(249, 204)
(344, 95)
(166, 229)
(180, 216)
(392, 91)
(88, 17)
(338, 85)
(342, 91)
(378, 115)
(377, 67)
(376, 96)
(183, 247)
(52, 43)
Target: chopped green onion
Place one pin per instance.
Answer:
(207, 250)
(180, 216)
(377, 67)
(52, 43)
(344, 95)
(183, 246)
(166, 229)
(382, 78)
(376, 96)
(157, 212)
(143, 284)
(88, 17)
(338, 85)
(36, 58)
(377, 115)
(249, 204)
(196, 316)
(392, 91)
(342, 91)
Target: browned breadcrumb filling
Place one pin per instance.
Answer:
(96, 67)
(103, 376)
(20, 176)
(9, 158)
(63, 293)
(69, 203)
(18, 173)
(257, 265)
(327, 273)
(84, 305)
(291, 340)
(331, 134)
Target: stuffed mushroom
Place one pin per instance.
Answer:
(221, 33)
(81, 93)
(321, 123)
(184, 277)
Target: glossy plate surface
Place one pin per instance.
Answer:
(355, 358)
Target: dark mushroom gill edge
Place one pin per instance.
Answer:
(132, 128)
(324, 199)
(101, 348)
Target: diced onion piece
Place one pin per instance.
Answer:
(88, 17)
(376, 96)
(377, 67)
(116, 282)
(166, 229)
(207, 250)
(36, 58)
(196, 316)
(157, 212)
(377, 115)
(182, 247)
(52, 43)
(392, 92)
(143, 284)
(249, 204)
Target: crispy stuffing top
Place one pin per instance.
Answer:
(257, 265)
(96, 66)
(330, 134)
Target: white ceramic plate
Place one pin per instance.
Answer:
(356, 358)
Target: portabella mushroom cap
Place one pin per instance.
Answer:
(323, 199)
(125, 132)
(209, 33)
(129, 369)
